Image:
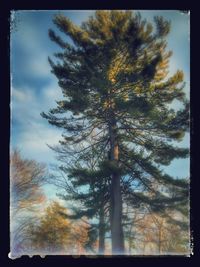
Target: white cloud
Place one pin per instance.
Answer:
(24, 105)
(38, 65)
(33, 132)
(51, 93)
(34, 53)
(18, 95)
(34, 139)
(22, 95)
(27, 104)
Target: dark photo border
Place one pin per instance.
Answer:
(168, 261)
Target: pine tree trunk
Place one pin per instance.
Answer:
(101, 232)
(116, 197)
(116, 223)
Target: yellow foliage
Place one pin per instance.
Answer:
(57, 233)
(159, 236)
(108, 104)
(26, 179)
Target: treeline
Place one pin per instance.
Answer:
(42, 227)
(38, 226)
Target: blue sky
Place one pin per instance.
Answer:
(34, 89)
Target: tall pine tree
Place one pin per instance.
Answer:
(114, 80)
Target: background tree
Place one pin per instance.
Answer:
(26, 179)
(56, 234)
(26, 197)
(114, 79)
(155, 235)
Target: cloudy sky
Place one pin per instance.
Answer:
(34, 88)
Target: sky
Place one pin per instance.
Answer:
(34, 89)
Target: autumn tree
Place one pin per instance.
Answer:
(26, 179)
(26, 197)
(160, 227)
(114, 79)
(56, 234)
(52, 231)
(156, 235)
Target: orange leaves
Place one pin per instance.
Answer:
(156, 235)
(56, 233)
(79, 233)
(26, 179)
